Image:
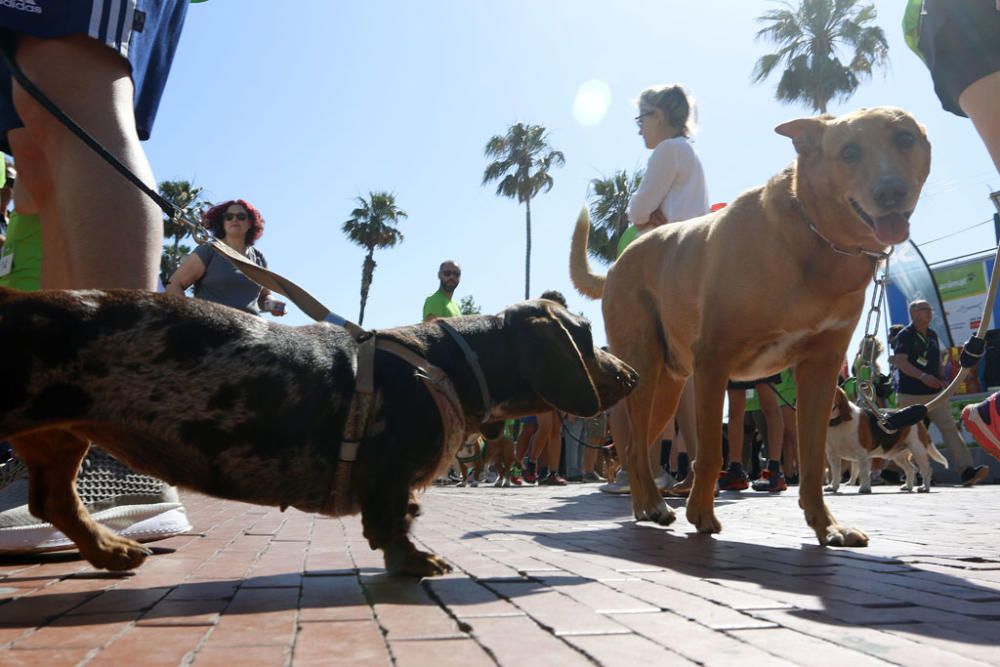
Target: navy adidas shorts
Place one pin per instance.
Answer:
(145, 32)
(960, 42)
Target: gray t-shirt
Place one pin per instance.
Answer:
(223, 283)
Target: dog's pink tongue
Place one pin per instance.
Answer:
(892, 229)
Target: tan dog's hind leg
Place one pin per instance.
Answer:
(816, 378)
(53, 459)
(710, 390)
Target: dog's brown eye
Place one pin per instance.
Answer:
(850, 153)
(905, 140)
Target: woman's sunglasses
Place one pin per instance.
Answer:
(239, 216)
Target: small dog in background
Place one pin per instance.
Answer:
(854, 435)
(499, 454)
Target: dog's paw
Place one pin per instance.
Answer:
(418, 564)
(703, 519)
(920, 489)
(865, 489)
(830, 489)
(117, 554)
(842, 536)
(660, 514)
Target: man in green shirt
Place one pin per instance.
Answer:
(441, 304)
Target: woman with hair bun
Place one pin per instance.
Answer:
(673, 187)
(239, 225)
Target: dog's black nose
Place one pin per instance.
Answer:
(890, 192)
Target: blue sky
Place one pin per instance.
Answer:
(299, 108)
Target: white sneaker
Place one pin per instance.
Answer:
(136, 506)
(665, 481)
(619, 486)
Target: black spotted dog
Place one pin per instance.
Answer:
(222, 402)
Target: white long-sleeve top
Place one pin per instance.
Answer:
(674, 182)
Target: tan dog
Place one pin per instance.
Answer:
(776, 279)
(854, 435)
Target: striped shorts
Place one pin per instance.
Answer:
(145, 32)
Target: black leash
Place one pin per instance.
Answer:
(568, 432)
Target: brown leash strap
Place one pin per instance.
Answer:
(285, 287)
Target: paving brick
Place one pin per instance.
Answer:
(334, 598)
(404, 610)
(464, 652)
(519, 641)
(243, 656)
(150, 646)
(628, 651)
(348, 643)
(78, 632)
(53, 657)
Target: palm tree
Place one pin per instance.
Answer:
(373, 225)
(811, 38)
(522, 164)
(187, 197)
(609, 212)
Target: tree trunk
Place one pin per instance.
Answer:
(367, 274)
(527, 248)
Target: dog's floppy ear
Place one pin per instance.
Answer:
(492, 430)
(805, 133)
(549, 359)
(843, 405)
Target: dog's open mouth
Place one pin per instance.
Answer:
(890, 229)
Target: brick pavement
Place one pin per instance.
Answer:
(559, 573)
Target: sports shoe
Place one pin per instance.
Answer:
(619, 486)
(974, 475)
(770, 483)
(734, 479)
(552, 479)
(982, 420)
(592, 477)
(136, 506)
(515, 480)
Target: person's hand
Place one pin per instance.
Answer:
(657, 218)
(277, 308)
(931, 381)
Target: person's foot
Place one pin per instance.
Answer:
(734, 479)
(530, 477)
(974, 475)
(770, 482)
(619, 485)
(590, 477)
(515, 480)
(681, 489)
(982, 420)
(552, 479)
(136, 506)
(664, 481)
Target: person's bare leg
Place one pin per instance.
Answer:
(789, 441)
(35, 174)
(113, 231)
(737, 409)
(775, 423)
(980, 102)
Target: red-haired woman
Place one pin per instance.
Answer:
(239, 225)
